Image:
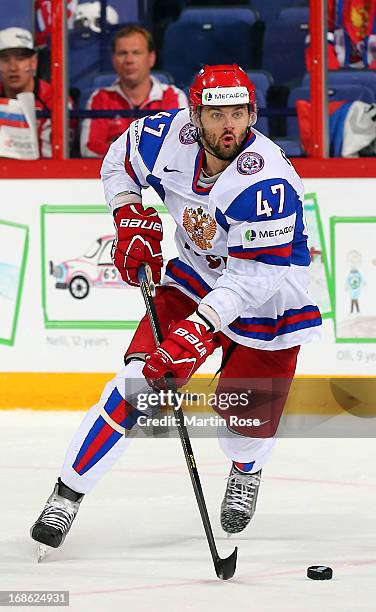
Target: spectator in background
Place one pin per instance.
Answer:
(351, 44)
(351, 35)
(18, 66)
(133, 59)
(83, 15)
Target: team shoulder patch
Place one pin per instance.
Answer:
(188, 134)
(250, 163)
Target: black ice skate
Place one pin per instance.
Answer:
(56, 519)
(239, 502)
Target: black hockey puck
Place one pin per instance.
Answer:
(319, 572)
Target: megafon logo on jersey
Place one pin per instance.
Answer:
(288, 229)
(219, 96)
(268, 233)
(250, 163)
(250, 235)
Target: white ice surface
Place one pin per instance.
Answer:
(138, 543)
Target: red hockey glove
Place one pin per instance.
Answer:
(185, 348)
(139, 235)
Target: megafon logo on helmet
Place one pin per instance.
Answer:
(219, 96)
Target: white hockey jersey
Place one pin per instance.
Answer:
(242, 242)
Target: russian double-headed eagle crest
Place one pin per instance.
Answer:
(200, 226)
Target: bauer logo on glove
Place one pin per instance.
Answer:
(183, 351)
(138, 240)
(192, 339)
(141, 224)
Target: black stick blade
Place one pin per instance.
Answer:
(225, 568)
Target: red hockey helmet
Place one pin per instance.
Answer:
(223, 84)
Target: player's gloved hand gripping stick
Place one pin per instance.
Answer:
(225, 568)
(138, 240)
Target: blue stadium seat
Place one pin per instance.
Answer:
(291, 147)
(261, 79)
(284, 45)
(270, 9)
(349, 93)
(348, 77)
(83, 57)
(262, 123)
(89, 53)
(104, 80)
(200, 36)
(16, 13)
(85, 95)
(163, 76)
(128, 10)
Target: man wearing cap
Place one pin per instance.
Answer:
(18, 66)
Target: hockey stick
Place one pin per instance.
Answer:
(225, 568)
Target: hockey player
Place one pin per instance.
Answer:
(239, 282)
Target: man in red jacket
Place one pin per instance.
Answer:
(133, 59)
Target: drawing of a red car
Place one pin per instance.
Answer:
(93, 269)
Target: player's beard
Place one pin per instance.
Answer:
(214, 145)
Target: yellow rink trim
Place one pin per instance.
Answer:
(79, 391)
(51, 391)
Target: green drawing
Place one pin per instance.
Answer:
(353, 269)
(12, 274)
(79, 286)
(321, 283)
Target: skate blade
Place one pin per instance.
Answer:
(42, 551)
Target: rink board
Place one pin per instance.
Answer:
(56, 350)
